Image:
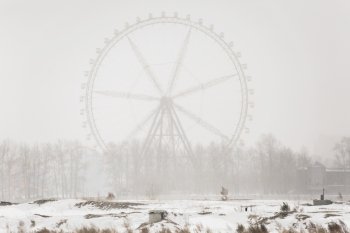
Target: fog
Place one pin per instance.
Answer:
(296, 53)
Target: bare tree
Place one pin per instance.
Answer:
(4, 153)
(342, 152)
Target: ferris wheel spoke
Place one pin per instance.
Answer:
(142, 124)
(145, 65)
(202, 123)
(204, 86)
(179, 61)
(127, 95)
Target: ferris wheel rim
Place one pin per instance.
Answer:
(109, 44)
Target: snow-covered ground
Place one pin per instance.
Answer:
(219, 216)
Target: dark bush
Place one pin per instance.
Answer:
(285, 207)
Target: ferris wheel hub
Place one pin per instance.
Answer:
(166, 100)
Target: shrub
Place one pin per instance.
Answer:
(45, 230)
(285, 207)
(145, 230)
(165, 230)
(313, 228)
(95, 230)
(184, 230)
(32, 223)
(110, 196)
(240, 228)
(261, 228)
(334, 227)
(290, 230)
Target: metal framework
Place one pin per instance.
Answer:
(166, 131)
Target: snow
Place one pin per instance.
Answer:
(219, 216)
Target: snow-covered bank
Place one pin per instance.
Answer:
(70, 214)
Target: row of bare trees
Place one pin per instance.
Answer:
(40, 170)
(60, 169)
(268, 167)
(131, 173)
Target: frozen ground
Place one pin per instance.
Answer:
(219, 216)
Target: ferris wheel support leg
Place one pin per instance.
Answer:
(182, 133)
(148, 140)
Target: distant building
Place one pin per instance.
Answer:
(313, 179)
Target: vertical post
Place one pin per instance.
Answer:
(322, 196)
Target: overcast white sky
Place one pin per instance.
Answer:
(297, 53)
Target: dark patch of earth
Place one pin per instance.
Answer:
(106, 205)
(6, 203)
(43, 201)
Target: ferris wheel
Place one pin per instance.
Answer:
(170, 83)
